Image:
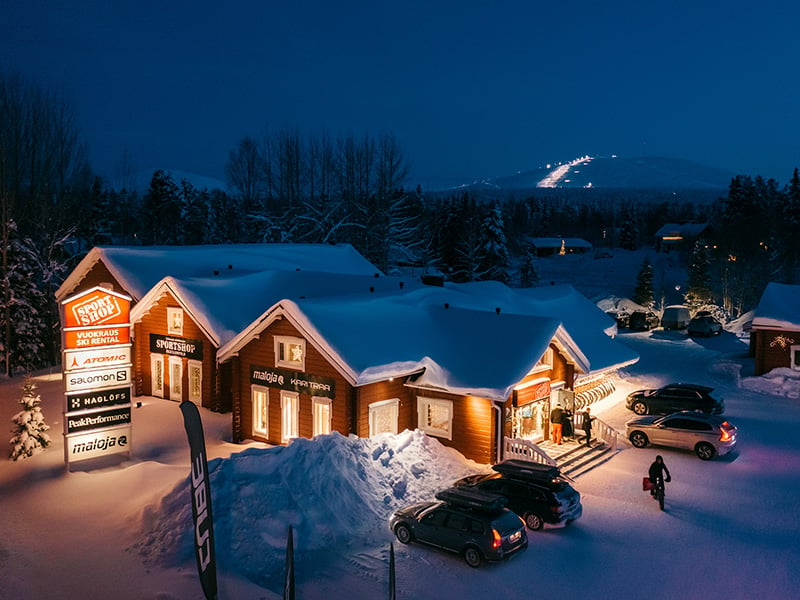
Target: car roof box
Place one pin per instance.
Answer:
(471, 498)
(527, 470)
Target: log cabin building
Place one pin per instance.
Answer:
(775, 329)
(298, 352)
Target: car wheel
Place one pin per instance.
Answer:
(403, 533)
(638, 439)
(473, 557)
(705, 450)
(639, 407)
(534, 522)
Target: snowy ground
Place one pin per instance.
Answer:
(729, 529)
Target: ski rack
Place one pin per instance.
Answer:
(472, 498)
(523, 469)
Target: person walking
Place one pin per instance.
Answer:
(587, 425)
(557, 424)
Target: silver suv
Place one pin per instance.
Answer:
(706, 435)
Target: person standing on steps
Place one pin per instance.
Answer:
(557, 424)
(587, 425)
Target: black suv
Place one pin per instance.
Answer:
(674, 398)
(473, 524)
(537, 493)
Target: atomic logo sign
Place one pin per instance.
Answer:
(97, 364)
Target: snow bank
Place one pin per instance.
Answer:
(778, 382)
(331, 489)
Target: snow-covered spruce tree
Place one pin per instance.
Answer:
(528, 276)
(643, 294)
(698, 291)
(30, 429)
(494, 263)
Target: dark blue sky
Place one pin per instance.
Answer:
(470, 89)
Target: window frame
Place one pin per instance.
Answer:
(373, 408)
(290, 421)
(423, 404)
(191, 367)
(257, 431)
(794, 357)
(282, 341)
(316, 402)
(175, 320)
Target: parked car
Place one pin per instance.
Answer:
(537, 493)
(642, 320)
(706, 435)
(675, 317)
(704, 325)
(471, 523)
(621, 317)
(674, 397)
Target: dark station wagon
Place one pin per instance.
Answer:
(673, 398)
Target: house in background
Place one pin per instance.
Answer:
(674, 236)
(775, 329)
(551, 246)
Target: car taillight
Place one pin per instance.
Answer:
(497, 541)
(725, 435)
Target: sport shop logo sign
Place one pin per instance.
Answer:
(97, 379)
(96, 307)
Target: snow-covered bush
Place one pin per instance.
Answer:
(30, 428)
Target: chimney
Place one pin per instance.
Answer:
(216, 272)
(446, 305)
(497, 310)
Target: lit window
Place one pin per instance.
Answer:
(383, 417)
(290, 352)
(545, 362)
(290, 415)
(321, 409)
(260, 399)
(195, 381)
(175, 321)
(435, 417)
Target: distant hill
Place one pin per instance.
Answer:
(658, 174)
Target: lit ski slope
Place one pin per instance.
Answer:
(558, 174)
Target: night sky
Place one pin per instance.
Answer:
(470, 89)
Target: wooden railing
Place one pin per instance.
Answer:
(525, 450)
(600, 430)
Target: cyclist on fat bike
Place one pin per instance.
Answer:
(658, 474)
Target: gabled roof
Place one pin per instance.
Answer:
(460, 350)
(779, 308)
(139, 268)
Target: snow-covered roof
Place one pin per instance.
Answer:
(691, 230)
(779, 307)
(139, 268)
(480, 338)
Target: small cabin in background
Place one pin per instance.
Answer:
(674, 236)
(775, 329)
(551, 246)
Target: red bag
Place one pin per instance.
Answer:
(646, 485)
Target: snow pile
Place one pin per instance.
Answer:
(332, 490)
(619, 305)
(778, 382)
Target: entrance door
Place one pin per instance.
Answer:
(157, 375)
(175, 378)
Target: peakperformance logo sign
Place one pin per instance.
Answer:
(97, 420)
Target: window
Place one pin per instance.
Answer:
(435, 417)
(290, 352)
(196, 381)
(794, 355)
(260, 398)
(290, 415)
(174, 321)
(175, 378)
(157, 375)
(321, 409)
(545, 362)
(383, 416)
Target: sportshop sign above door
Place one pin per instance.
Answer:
(175, 346)
(315, 385)
(97, 363)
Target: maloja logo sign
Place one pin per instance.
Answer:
(75, 360)
(95, 444)
(95, 307)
